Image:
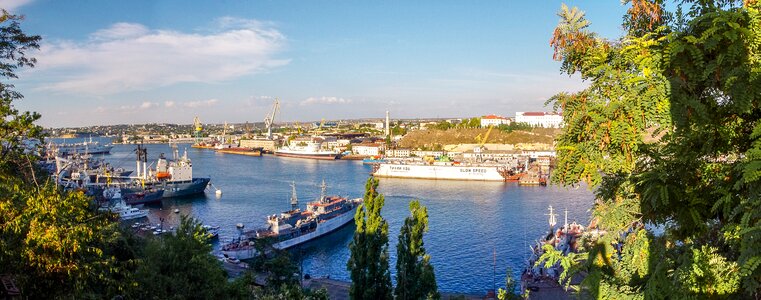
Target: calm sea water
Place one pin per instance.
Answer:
(472, 224)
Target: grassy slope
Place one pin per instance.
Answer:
(421, 138)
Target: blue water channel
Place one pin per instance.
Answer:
(472, 224)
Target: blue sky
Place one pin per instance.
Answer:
(131, 62)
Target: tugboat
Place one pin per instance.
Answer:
(294, 227)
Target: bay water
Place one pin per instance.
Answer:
(476, 229)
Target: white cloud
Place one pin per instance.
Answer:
(121, 31)
(200, 103)
(147, 105)
(324, 100)
(128, 57)
(12, 5)
(169, 104)
(259, 101)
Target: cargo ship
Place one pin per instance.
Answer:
(241, 151)
(306, 148)
(174, 177)
(294, 227)
(443, 170)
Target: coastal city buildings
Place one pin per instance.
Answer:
(494, 120)
(539, 119)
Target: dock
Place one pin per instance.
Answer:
(339, 290)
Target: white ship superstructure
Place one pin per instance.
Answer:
(306, 148)
(447, 171)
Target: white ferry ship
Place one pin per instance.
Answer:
(306, 148)
(446, 171)
(86, 147)
(294, 227)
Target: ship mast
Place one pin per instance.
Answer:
(323, 188)
(565, 225)
(552, 218)
(294, 199)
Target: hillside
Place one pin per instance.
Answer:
(429, 138)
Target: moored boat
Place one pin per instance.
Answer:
(173, 177)
(241, 151)
(448, 171)
(306, 148)
(294, 227)
(86, 147)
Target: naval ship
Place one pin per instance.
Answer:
(174, 177)
(294, 227)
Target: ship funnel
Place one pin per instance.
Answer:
(294, 199)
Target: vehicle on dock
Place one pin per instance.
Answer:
(294, 227)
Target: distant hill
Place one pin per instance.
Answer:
(429, 138)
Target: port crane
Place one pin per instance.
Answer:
(269, 119)
(481, 141)
(197, 127)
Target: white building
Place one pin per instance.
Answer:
(539, 119)
(423, 153)
(398, 153)
(367, 149)
(493, 120)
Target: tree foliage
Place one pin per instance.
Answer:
(668, 134)
(180, 266)
(15, 126)
(53, 243)
(415, 278)
(368, 262)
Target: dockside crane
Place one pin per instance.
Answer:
(269, 119)
(197, 127)
(481, 141)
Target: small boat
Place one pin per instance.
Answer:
(239, 225)
(212, 232)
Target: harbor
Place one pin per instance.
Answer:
(469, 220)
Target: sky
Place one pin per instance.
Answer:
(105, 62)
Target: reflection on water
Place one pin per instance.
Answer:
(468, 221)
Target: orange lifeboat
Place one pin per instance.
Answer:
(163, 175)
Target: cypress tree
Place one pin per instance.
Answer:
(415, 278)
(368, 263)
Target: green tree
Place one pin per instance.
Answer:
(668, 134)
(398, 130)
(53, 243)
(415, 278)
(15, 127)
(56, 245)
(474, 122)
(180, 266)
(368, 262)
(508, 293)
